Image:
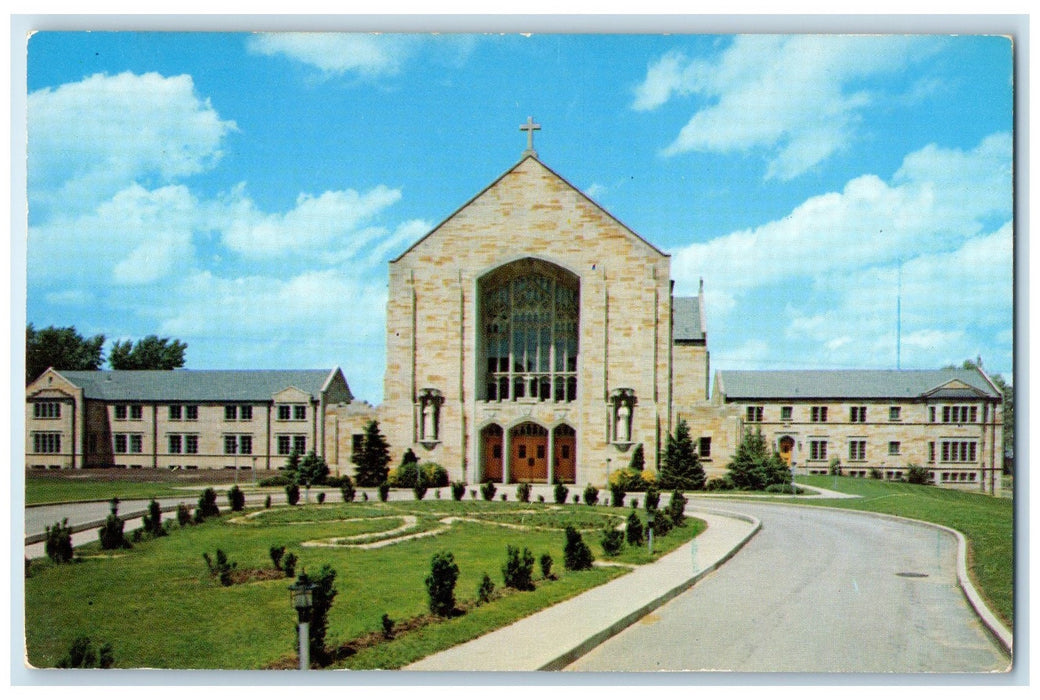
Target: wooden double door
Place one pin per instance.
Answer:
(528, 449)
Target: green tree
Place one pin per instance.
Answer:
(312, 470)
(151, 352)
(373, 457)
(60, 348)
(638, 459)
(747, 470)
(681, 468)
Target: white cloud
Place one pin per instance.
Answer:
(798, 97)
(369, 55)
(90, 139)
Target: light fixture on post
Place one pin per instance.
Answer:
(301, 594)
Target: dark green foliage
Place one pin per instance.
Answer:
(83, 655)
(486, 589)
(419, 490)
(677, 508)
(634, 529)
(409, 474)
(612, 541)
(324, 594)
(630, 480)
(292, 494)
(560, 493)
(505, 497)
(236, 499)
(458, 490)
(917, 475)
(60, 348)
(59, 542)
(267, 501)
(591, 495)
(152, 520)
(875, 473)
(638, 461)
(541, 498)
(409, 458)
(222, 568)
(373, 457)
(347, 491)
(722, 483)
(681, 468)
(111, 533)
(384, 491)
(291, 470)
(617, 495)
(653, 498)
(523, 493)
(277, 552)
(835, 467)
(183, 515)
(208, 504)
(388, 626)
(487, 490)
(198, 518)
(574, 499)
(576, 554)
(754, 467)
(662, 523)
(516, 572)
(150, 352)
(545, 562)
(440, 584)
(313, 470)
(289, 565)
(279, 480)
(321, 497)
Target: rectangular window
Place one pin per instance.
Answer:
(284, 411)
(135, 412)
(893, 447)
(46, 443)
(120, 412)
(754, 414)
(119, 443)
(230, 412)
(964, 451)
(230, 444)
(858, 414)
(299, 443)
(47, 409)
(819, 414)
(176, 412)
(136, 444)
(245, 413)
(931, 414)
(974, 417)
(299, 412)
(284, 444)
(817, 449)
(705, 448)
(786, 413)
(191, 412)
(176, 444)
(245, 444)
(893, 413)
(191, 444)
(947, 414)
(931, 452)
(857, 450)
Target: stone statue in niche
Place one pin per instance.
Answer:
(624, 424)
(429, 428)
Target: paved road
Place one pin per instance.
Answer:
(816, 591)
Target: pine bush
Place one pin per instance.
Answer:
(591, 495)
(516, 572)
(576, 554)
(612, 542)
(440, 584)
(634, 529)
(59, 542)
(560, 493)
(236, 499)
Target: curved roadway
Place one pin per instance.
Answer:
(815, 591)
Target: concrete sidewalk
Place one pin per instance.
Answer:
(554, 637)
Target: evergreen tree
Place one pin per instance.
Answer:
(748, 465)
(681, 468)
(638, 459)
(312, 470)
(373, 457)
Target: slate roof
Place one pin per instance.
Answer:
(686, 319)
(846, 384)
(195, 385)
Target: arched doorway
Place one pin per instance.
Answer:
(786, 446)
(564, 443)
(529, 453)
(491, 441)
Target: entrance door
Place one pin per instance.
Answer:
(492, 439)
(786, 448)
(563, 444)
(528, 447)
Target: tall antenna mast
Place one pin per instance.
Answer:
(899, 313)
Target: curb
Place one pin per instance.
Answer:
(576, 652)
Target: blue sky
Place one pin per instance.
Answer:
(244, 192)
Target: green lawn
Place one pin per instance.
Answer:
(987, 523)
(158, 606)
(64, 486)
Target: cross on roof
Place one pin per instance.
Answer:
(530, 127)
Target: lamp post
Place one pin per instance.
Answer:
(607, 480)
(301, 594)
(650, 527)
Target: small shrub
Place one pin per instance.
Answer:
(435, 475)
(348, 491)
(652, 499)
(323, 595)
(523, 493)
(917, 475)
(473, 494)
(419, 490)
(222, 568)
(364, 497)
(835, 467)
(292, 494)
(576, 554)
(486, 589)
(138, 534)
(111, 533)
(384, 491)
(289, 565)
(277, 552)
(545, 562)
(560, 493)
(487, 490)
(505, 497)
(279, 480)
(591, 495)
(197, 517)
(677, 508)
(574, 499)
(267, 501)
(635, 503)
(440, 584)
(437, 494)
(634, 529)
(183, 515)
(458, 490)
(720, 483)
(612, 542)
(388, 627)
(541, 498)
(82, 655)
(875, 473)
(321, 497)
(208, 504)
(152, 520)
(632, 480)
(516, 572)
(236, 499)
(617, 495)
(662, 523)
(59, 542)
(782, 488)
